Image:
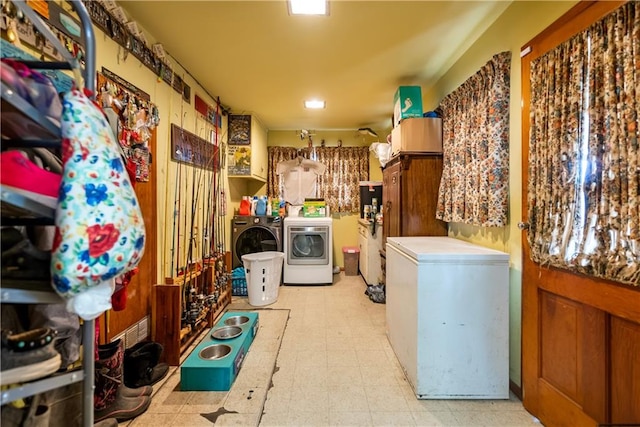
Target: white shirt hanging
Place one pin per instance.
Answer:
(299, 179)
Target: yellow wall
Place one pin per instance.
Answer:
(172, 110)
(518, 24)
(345, 227)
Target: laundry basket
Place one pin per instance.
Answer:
(263, 274)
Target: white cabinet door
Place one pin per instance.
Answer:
(362, 243)
(374, 263)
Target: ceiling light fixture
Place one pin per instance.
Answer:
(308, 7)
(314, 104)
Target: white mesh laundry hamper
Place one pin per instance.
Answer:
(263, 272)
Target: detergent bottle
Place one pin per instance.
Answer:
(261, 205)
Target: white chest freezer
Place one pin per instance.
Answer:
(447, 312)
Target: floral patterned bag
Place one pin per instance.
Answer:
(99, 226)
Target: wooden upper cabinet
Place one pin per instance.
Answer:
(410, 185)
(250, 161)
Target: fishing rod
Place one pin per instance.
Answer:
(223, 197)
(179, 200)
(175, 211)
(203, 218)
(223, 203)
(218, 203)
(205, 229)
(203, 171)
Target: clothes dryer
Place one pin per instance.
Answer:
(251, 234)
(308, 250)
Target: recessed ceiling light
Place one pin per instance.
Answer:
(308, 7)
(315, 104)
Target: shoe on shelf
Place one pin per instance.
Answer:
(21, 260)
(19, 174)
(28, 356)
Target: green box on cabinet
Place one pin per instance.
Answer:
(407, 103)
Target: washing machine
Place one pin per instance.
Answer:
(251, 234)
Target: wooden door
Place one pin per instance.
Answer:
(420, 179)
(139, 289)
(580, 335)
(391, 196)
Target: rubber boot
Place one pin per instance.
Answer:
(141, 365)
(108, 400)
(105, 351)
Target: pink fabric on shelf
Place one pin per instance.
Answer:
(25, 177)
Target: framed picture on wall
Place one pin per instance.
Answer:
(239, 161)
(239, 129)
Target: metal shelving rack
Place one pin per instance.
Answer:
(19, 210)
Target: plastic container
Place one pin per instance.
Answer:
(238, 282)
(263, 272)
(261, 206)
(351, 258)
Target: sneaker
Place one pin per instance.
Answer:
(28, 356)
(21, 175)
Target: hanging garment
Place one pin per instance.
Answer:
(99, 226)
(299, 178)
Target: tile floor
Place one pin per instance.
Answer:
(321, 358)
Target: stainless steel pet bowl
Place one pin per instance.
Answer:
(236, 320)
(226, 332)
(213, 352)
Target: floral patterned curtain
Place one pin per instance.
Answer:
(584, 161)
(474, 188)
(339, 185)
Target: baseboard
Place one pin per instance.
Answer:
(515, 389)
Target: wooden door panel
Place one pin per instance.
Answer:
(572, 357)
(556, 410)
(140, 288)
(618, 300)
(394, 201)
(625, 371)
(559, 344)
(420, 183)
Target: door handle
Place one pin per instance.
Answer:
(523, 226)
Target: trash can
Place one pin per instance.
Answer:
(351, 258)
(263, 274)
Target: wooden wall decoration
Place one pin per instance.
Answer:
(189, 148)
